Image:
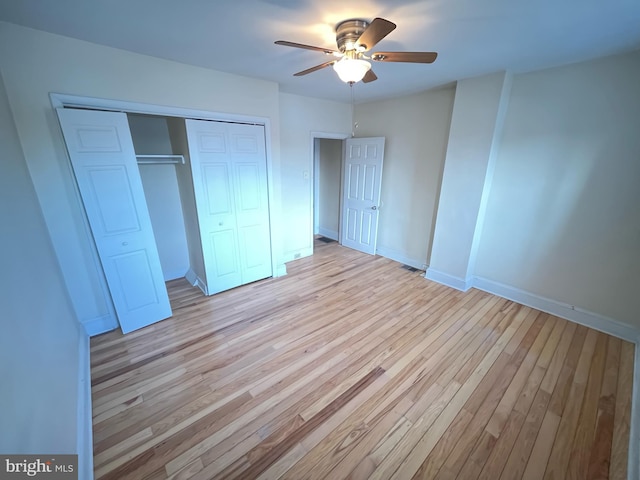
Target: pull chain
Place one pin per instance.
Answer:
(353, 112)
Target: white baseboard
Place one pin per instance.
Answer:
(98, 325)
(196, 281)
(191, 277)
(180, 273)
(296, 254)
(448, 280)
(554, 307)
(399, 257)
(281, 270)
(85, 423)
(332, 234)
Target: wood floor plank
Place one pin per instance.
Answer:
(353, 367)
(559, 356)
(523, 445)
(537, 463)
(500, 416)
(284, 445)
(333, 450)
(476, 437)
(560, 454)
(431, 465)
(601, 449)
(583, 439)
(529, 456)
(427, 442)
(565, 378)
(621, 423)
(513, 440)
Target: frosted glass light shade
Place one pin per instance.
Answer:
(351, 70)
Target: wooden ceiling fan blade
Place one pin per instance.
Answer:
(314, 69)
(369, 76)
(376, 31)
(326, 51)
(409, 57)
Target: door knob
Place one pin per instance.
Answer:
(374, 207)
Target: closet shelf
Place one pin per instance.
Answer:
(167, 159)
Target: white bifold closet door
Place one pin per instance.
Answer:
(228, 164)
(104, 162)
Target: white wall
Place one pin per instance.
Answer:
(416, 128)
(39, 344)
(329, 170)
(150, 134)
(563, 215)
(35, 63)
(299, 118)
(165, 210)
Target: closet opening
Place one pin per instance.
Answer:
(165, 170)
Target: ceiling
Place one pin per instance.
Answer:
(472, 37)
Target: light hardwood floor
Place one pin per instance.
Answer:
(353, 367)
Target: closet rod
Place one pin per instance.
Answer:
(160, 159)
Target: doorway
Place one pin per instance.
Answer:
(347, 176)
(327, 151)
(327, 187)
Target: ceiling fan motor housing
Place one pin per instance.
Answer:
(348, 33)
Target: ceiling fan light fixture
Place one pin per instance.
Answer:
(351, 70)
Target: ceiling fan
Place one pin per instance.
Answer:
(354, 38)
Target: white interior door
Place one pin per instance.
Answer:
(361, 193)
(103, 159)
(228, 164)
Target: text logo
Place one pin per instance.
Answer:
(50, 467)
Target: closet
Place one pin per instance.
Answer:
(169, 197)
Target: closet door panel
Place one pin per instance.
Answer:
(136, 281)
(223, 246)
(249, 188)
(213, 186)
(217, 188)
(254, 253)
(252, 204)
(253, 221)
(230, 180)
(101, 152)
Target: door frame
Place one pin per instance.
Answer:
(61, 100)
(315, 180)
